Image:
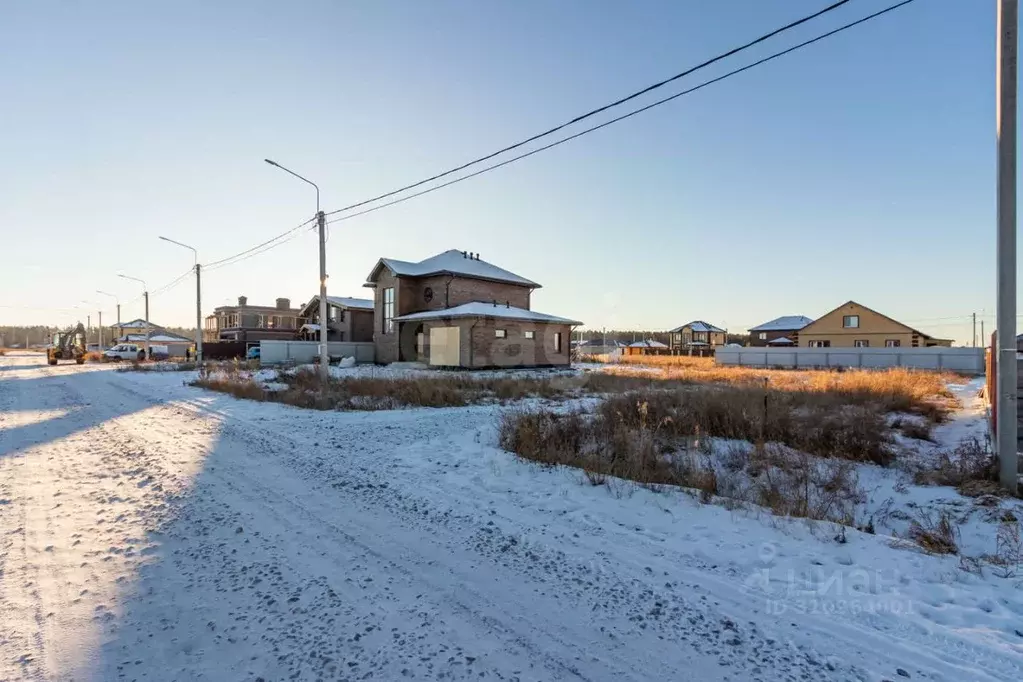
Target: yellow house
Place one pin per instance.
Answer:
(852, 325)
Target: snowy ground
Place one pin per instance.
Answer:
(149, 530)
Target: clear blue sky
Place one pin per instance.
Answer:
(860, 168)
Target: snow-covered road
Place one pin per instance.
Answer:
(149, 530)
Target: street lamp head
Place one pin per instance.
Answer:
(272, 163)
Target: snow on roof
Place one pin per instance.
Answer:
(779, 341)
(477, 309)
(136, 324)
(697, 326)
(310, 326)
(784, 324)
(452, 261)
(348, 302)
(340, 301)
(650, 343)
(165, 337)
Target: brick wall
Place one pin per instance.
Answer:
(755, 339)
(449, 291)
(386, 343)
(360, 325)
(481, 347)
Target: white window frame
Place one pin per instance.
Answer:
(529, 334)
(893, 343)
(847, 322)
(501, 333)
(815, 343)
(762, 336)
(557, 342)
(861, 343)
(388, 310)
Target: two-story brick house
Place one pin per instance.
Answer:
(456, 310)
(252, 323)
(694, 336)
(348, 319)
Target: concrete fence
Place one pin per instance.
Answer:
(283, 352)
(964, 360)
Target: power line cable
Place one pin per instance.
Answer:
(598, 110)
(250, 253)
(173, 283)
(258, 246)
(607, 123)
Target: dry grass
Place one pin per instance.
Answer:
(647, 448)
(94, 356)
(893, 390)
(3, 352)
(936, 534)
(160, 366)
(306, 388)
(971, 468)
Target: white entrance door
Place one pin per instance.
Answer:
(444, 346)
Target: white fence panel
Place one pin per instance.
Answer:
(965, 360)
(301, 352)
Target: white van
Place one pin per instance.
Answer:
(135, 351)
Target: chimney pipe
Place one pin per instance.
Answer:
(465, 255)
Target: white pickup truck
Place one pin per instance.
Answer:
(134, 351)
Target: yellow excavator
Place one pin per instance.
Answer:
(67, 345)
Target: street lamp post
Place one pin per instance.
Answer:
(99, 325)
(145, 294)
(198, 297)
(118, 302)
(321, 224)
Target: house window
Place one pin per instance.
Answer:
(851, 321)
(762, 336)
(557, 342)
(700, 336)
(820, 344)
(861, 343)
(892, 343)
(500, 333)
(388, 310)
(529, 334)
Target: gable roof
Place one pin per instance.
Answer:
(161, 337)
(341, 302)
(783, 324)
(649, 343)
(697, 326)
(477, 309)
(781, 340)
(137, 323)
(890, 319)
(450, 262)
